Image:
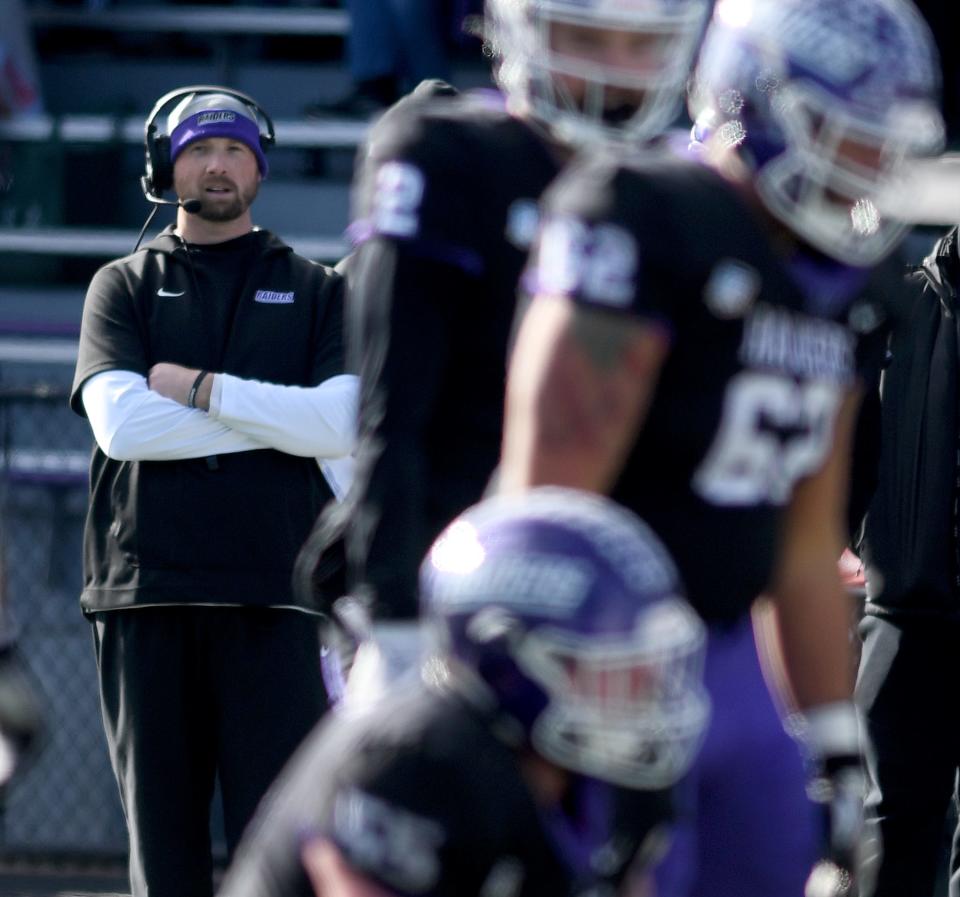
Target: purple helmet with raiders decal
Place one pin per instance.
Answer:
(561, 612)
(825, 102)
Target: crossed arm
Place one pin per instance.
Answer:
(140, 418)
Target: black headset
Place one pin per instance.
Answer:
(158, 175)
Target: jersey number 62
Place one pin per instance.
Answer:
(773, 431)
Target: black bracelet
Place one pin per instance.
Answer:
(192, 395)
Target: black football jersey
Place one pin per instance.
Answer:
(761, 355)
(423, 799)
(445, 209)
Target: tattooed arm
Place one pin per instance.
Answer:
(578, 388)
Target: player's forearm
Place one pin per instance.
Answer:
(812, 609)
(812, 624)
(317, 421)
(131, 422)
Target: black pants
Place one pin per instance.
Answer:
(909, 676)
(189, 693)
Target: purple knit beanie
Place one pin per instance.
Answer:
(214, 115)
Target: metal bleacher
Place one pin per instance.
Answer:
(76, 79)
(89, 131)
(104, 62)
(76, 201)
(193, 19)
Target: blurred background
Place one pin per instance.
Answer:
(77, 80)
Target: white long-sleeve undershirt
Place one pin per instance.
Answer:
(131, 422)
(311, 421)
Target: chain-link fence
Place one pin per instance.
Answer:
(66, 801)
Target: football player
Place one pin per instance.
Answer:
(445, 208)
(692, 350)
(536, 754)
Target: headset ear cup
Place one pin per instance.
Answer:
(157, 164)
(268, 137)
(147, 180)
(162, 169)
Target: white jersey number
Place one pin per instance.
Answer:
(598, 261)
(399, 192)
(773, 431)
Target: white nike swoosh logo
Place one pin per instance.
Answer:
(163, 292)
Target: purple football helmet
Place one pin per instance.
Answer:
(660, 37)
(561, 612)
(825, 101)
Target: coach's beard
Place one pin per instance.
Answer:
(227, 211)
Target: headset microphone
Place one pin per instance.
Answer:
(188, 205)
(191, 206)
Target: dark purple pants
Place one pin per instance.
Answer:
(747, 829)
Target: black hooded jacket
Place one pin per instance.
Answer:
(202, 530)
(909, 542)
